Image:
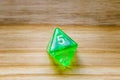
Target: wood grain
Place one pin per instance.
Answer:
(23, 53)
(77, 12)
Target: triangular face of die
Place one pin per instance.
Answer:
(61, 47)
(60, 40)
(65, 57)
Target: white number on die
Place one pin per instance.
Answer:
(60, 39)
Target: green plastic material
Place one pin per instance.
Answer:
(62, 48)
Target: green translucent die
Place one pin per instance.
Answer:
(62, 48)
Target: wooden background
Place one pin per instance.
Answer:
(27, 25)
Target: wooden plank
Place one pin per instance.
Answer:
(85, 12)
(97, 45)
(59, 77)
(48, 70)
